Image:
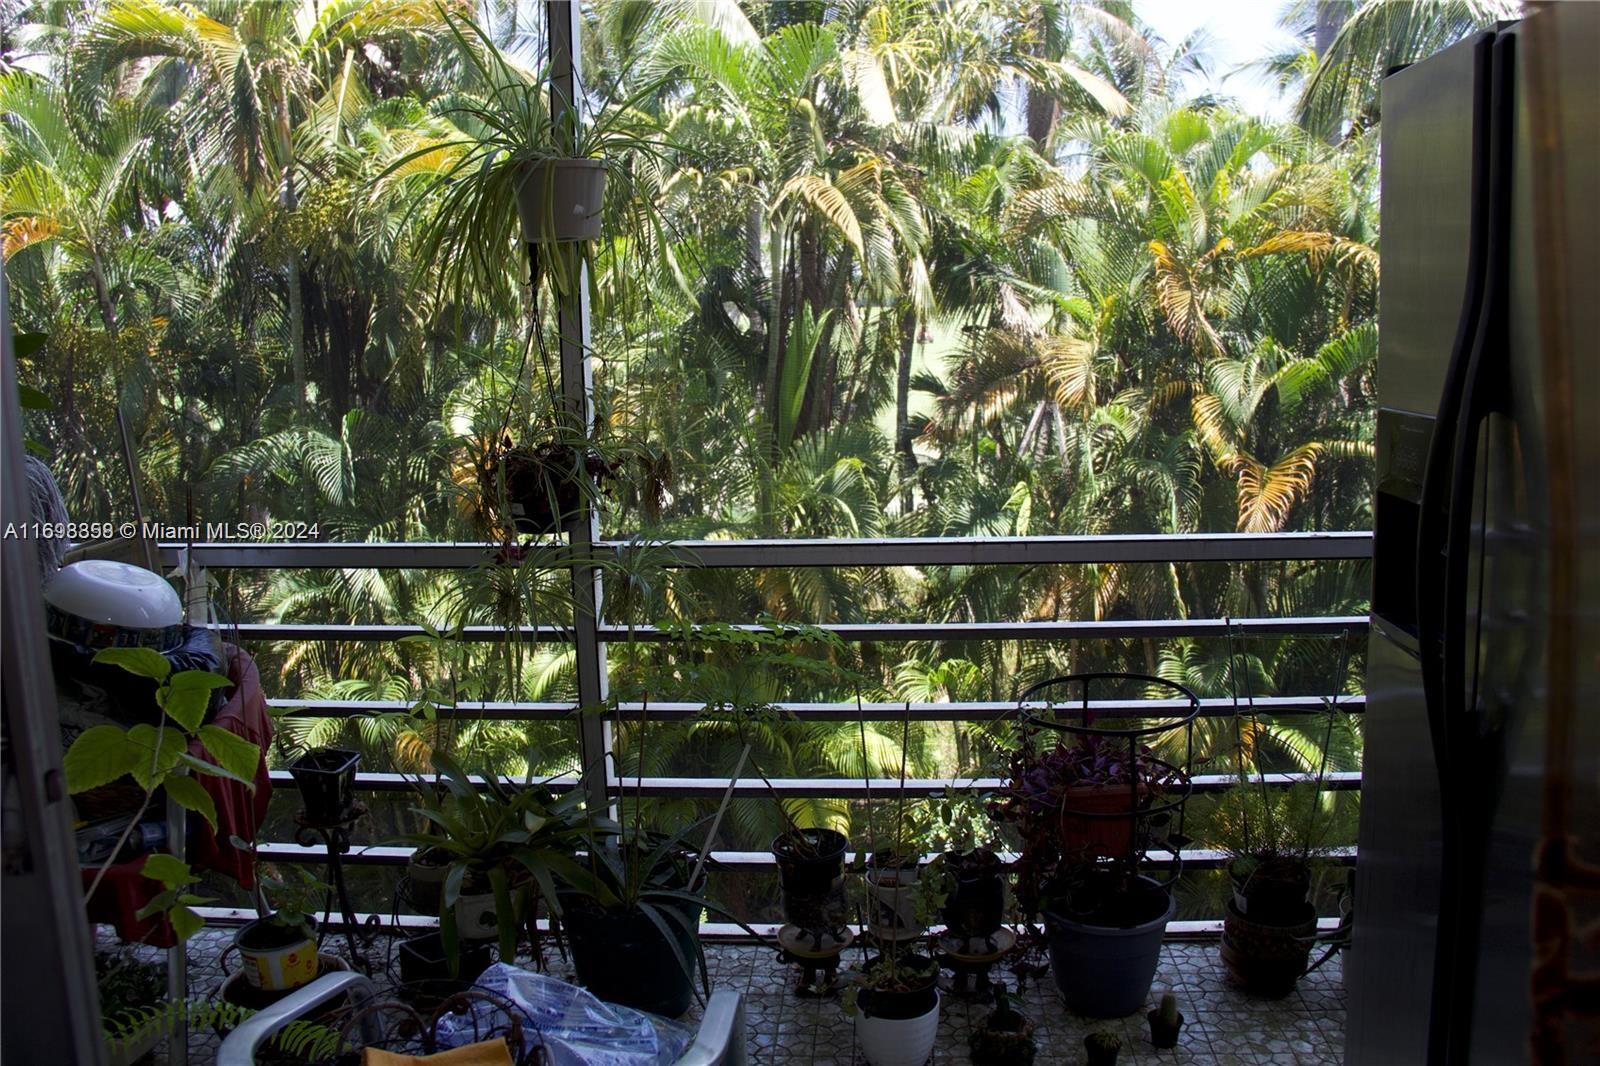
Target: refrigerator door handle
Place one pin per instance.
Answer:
(1433, 500)
(1484, 385)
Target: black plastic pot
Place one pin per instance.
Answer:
(326, 780)
(425, 965)
(1163, 1035)
(1105, 943)
(1274, 892)
(811, 871)
(1099, 1054)
(977, 902)
(918, 997)
(622, 957)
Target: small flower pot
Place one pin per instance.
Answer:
(476, 918)
(425, 966)
(1273, 893)
(975, 908)
(275, 958)
(425, 877)
(1163, 1035)
(1099, 820)
(1004, 1039)
(326, 779)
(892, 888)
(560, 200)
(1100, 1053)
(896, 1041)
(811, 872)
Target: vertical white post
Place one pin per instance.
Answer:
(562, 20)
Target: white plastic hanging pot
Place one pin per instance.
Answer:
(894, 902)
(476, 918)
(560, 199)
(898, 1041)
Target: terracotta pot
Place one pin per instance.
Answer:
(1099, 820)
(1263, 959)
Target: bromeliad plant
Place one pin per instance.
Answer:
(516, 841)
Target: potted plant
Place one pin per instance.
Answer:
(895, 1003)
(1005, 1038)
(634, 923)
(506, 847)
(425, 873)
(1103, 921)
(975, 888)
(1273, 842)
(279, 949)
(1102, 1048)
(1165, 1022)
(326, 780)
(896, 898)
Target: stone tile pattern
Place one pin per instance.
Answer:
(1222, 1024)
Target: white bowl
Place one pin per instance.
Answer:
(99, 603)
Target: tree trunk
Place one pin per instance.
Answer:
(1044, 110)
(102, 290)
(1330, 16)
(902, 407)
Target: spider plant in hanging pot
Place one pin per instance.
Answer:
(541, 489)
(507, 171)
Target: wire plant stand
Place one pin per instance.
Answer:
(1157, 788)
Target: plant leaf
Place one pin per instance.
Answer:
(238, 756)
(144, 662)
(100, 755)
(189, 794)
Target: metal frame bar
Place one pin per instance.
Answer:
(827, 712)
(795, 787)
(837, 551)
(865, 632)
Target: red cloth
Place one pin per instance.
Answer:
(240, 813)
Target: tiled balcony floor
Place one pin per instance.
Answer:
(1222, 1024)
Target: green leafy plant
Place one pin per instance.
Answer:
(295, 898)
(512, 839)
(304, 1040)
(175, 900)
(158, 758)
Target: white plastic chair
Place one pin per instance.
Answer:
(720, 1040)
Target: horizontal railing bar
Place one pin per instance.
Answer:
(865, 632)
(722, 932)
(962, 711)
(844, 551)
(808, 787)
(388, 855)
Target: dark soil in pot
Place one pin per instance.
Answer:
(977, 901)
(326, 780)
(622, 957)
(811, 871)
(913, 993)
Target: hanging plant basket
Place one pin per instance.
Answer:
(560, 200)
(544, 485)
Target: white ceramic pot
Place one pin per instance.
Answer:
(898, 1041)
(476, 918)
(427, 883)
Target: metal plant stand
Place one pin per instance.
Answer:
(335, 839)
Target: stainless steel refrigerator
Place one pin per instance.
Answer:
(1478, 870)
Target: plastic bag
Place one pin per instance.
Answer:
(574, 1027)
